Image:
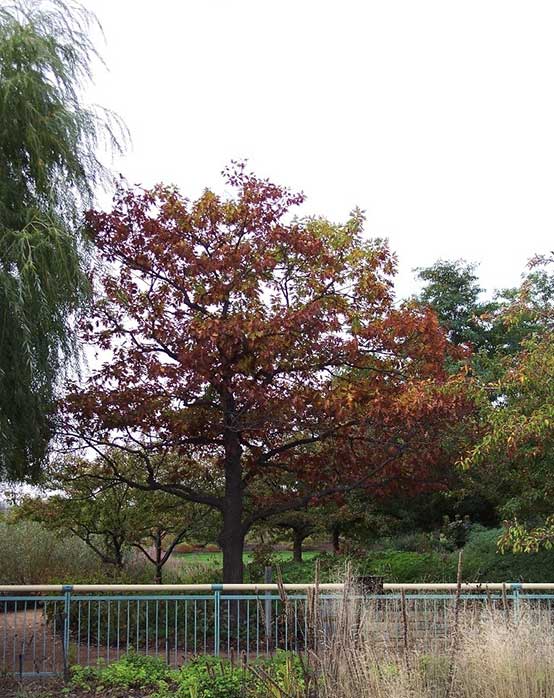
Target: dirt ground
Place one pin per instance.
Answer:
(27, 644)
(54, 688)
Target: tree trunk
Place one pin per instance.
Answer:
(233, 532)
(335, 533)
(231, 541)
(117, 545)
(159, 565)
(297, 540)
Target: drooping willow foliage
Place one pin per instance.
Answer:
(49, 171)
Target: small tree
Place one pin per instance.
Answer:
(96, 514)
(111, 517)
(163, 522)
(301, 525)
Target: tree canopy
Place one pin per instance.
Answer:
(264, 351)
(452, 290)
(516, 446)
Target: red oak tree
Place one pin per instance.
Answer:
(266, 351)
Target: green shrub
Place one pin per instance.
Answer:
(262, 556)
(284, 675)
(200, 573)
(144, 622)
(135, 670)
(208, 677)
(131, 671)
(408, 567)
(483, 562)
(202, 677)
(414, 542)
(297, 572)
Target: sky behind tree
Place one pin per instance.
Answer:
(435, 117)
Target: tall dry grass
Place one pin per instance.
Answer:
(494, 656)
(503, 659)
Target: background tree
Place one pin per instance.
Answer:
(451, 288)
(517, 444)
(300, 525)
(516, 448)
(494, 328)
(233, 335)
(498, 330)
(48, 173)
(111, 517)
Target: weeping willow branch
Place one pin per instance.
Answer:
(49, 171)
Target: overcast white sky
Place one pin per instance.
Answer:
(436, 117)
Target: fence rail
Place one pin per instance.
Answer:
(477, 587)
(46, 628)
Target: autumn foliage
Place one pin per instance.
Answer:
(266, 351)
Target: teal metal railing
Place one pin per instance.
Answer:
(45, 629)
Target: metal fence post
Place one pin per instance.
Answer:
(216, 588)
(268, 578)
(67, 589)
(516, 589)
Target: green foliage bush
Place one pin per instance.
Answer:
(262, 556)
(408, 567)
(202, 677)
(207, 677)
(300, 572)
(483, 562)
(131, 671)
(420, 557)
(285, 675)
(191, 623)
(200, 573)
(394, 565)
(414, 542)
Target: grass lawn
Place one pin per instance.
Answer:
(217, 558)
